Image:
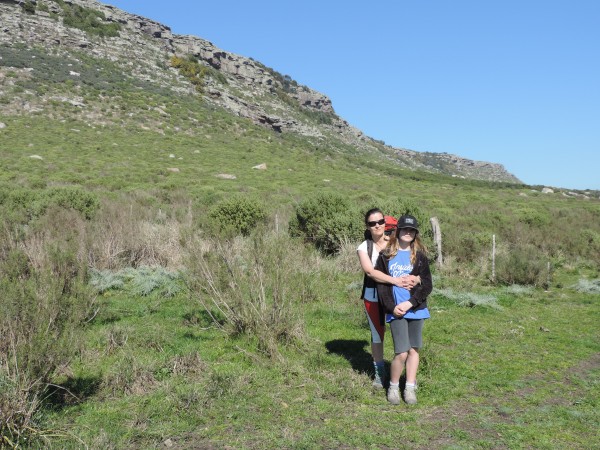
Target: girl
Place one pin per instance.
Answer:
(368, 252)
(405, 308)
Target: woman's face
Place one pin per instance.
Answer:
(406, 235)
(376, 224)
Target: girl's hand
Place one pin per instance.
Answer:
(398, 312)
(403, 308)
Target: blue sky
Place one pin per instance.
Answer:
(510, 82)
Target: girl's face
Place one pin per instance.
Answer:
(406, 235)
(376, 223)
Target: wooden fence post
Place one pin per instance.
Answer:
(493, 258)
(437, 238)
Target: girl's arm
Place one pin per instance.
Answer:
(420, 293)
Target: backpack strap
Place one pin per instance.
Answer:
(368, 282)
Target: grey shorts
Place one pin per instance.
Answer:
(407, 334)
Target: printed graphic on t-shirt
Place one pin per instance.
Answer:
(397, 269)
(400, 265)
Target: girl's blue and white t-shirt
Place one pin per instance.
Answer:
(400, 265)
(370, 293)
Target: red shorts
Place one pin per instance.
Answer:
(376, 322)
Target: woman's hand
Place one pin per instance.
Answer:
(402, 308)
(406, 281)
(414, 280)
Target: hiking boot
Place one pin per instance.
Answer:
(379, 380)
(393, 395)
(410, 395)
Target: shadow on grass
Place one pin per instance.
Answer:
(354, 351)
(201, 318)
(72, 392)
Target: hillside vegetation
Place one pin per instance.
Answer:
(159, 291)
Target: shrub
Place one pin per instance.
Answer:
(588, 242)
(26, 204)
(533, 217)
(587, 286)
(80, 200)
(42, 311)
(28, 6)
(469, 299)
(523, 265)
(130, 233)
(190, 69)
(141, 281)
(248, 287)
(87, 19)
(326, 220)
(467, 246)
(237, 215)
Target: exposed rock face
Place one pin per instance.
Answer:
(248, 88)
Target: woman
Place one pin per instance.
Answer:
(405, 308)
(368, 252)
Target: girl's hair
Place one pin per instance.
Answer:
(368, 214)
(415, 246)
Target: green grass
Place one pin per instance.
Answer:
(509, 378)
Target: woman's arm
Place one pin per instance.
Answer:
(377, 275)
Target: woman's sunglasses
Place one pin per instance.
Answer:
(372, 223)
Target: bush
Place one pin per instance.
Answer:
(28, 6)
(523, 265)
(80, 200)
(23, 204)
(588, 244)
(42, 311)
(141, 281)
(87, 19)
(250, 286)
(326, 220)
(587, 286)
(467, 246)
(190, 69)
(129, 232)
(237, 215)
(533, 217)
(469, 299)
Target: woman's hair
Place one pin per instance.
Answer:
(368, 214)
(415, 246)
